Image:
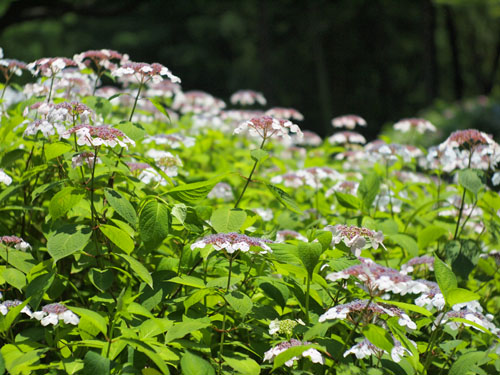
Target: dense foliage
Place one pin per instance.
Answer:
(148, 230)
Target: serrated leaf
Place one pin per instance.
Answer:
(193, 365)
(259, 155)
(179, 211)
(183, 328)
(64, 201)
(121, 205)
(118, 237)
(284, 198)
(444, 276)
(99, 104)
(243, 365)
(468, 179)
(94, 364)
(347, 200)
(368, 189)
(459, 295)
(240, 302)
(195, 192)
(53, 150)
(154, 327)
(67, 240)
(154, 224)
(139, 269)
(225, 220)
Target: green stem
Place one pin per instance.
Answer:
(135, 102)
(462, 203)
(427, 355)
(223, 333)
(51, 87)
(250, 176)
(308, 287)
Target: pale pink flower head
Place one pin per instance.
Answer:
(15, 242)
(314, 355)
(285, 113)
(355, 237)
(309, 138)
(467, 139)
(248, 97)
(104, 58)
(96, 136)
(197, 102)
(48, 67)
(267, 127)
(9, 67)
(346, 137)
(417, 124)
(348, 121)
(143, 72)
(232, 242)
(54, 312)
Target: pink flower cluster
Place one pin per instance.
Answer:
(267, 126)
(355, 237)
(96, 136)
(16, 242)
(232, 242)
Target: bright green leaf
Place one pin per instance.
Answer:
(64, 201)
(118, 237)
(225, 220)
(67, 240)
(154, 224)
(121, 205)
(193, 365)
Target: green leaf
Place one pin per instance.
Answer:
(407, 307)
(92, 317)
(444, 276)
(133, 130)
(225, 220)
(275, 290)
(94, 364)
(64, 201)
(67, 240)
(466, 362)
(183, 328)
(309, 254)
(459, 295)
(101, 279)
(193, 365)
(196, 297)
(324, 237)
(348, 200)
(99, 104)
(368, 189)
(243, 365)
(284, 198)
(154, 327)
(406, 243)
(429, 235)
(121, 205)
(468, 179)
(14, 277)
(159, 106)
(240, 302)
(119, 237)
(139, 269)
(467, 257)
(179, 211)
(193, 281)
(38, 286)
(259, 155)
(45, 188)
(379, 337)
(12, 314)
(53, 150)
(2, 365)
(154, 224)
(195, 192)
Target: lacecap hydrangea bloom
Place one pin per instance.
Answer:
(5, 306)
(355, 237)
(314, 355)
(54, 312)
(248, 97)
(15, 242)
(143, 72)
(96, 136)
(267, 127)
(418, 124)
(232, 242)
(348, 121)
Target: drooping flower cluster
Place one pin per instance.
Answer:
(247, 97)
(267, 127)
(418, 124)
(348, 121)
(312, 353)
(15, 242)
(377, 279)
(96, 136)
(54, 312)
(232, 242)
(371, 311)
(355, 237)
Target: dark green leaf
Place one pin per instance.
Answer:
(468, 179)
(309, 254)
(444, 276)
(378, 336)
(195, 192)
(347, 200)
(94, 364)
(466, 362)
(101, 279)
(193, 365)
(285, 199)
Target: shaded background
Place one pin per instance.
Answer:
(381, 59)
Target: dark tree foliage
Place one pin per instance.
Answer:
(381, 59)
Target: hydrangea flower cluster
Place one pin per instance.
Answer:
(377, 278)
(348, 121)
(285, 113)
(10, 67)
(49, 67)
(284, 327)
(477, 317)
(346, 137)
(232, 242)
(425, 261)
(15, 242)
(267, 126)
(312, 177)
(197, 102)
(54, 312)
(143, 72)
(100, 59)
(347, 187)
(355, 238)
(5, 306)
(308, 138)
(171, 140)
(365, 349)
(96, 136)
(86, 157)
(418, 124)
(314, 355)
(371, 310)
(283, 235)
(248, 97)
(432, 297)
